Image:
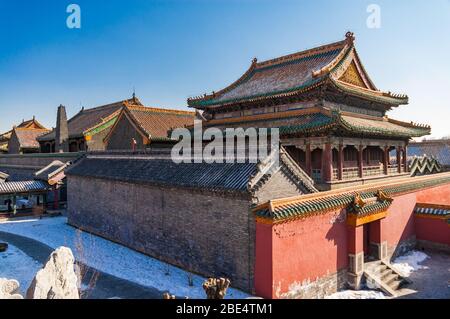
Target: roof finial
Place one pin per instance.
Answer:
(350, 37)
(254, 60)
(134, 94)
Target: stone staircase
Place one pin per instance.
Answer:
(382, 275)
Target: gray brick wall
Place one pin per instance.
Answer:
(208, 234)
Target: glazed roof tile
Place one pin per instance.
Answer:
(319, 119)
(297, 73)
(307, 205)
(432, 210)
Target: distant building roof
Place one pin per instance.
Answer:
(89, 118)
(155, 123)
(29, 124)
(23, 187)
(27, 137)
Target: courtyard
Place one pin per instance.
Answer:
(124, 273)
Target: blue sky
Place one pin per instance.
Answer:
(170, 50)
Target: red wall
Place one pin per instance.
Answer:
(437, 195)
(303, 250)
(399, 222)
(432, 229)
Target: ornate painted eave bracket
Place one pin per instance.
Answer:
(364, 211)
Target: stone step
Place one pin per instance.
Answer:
(390, 278)
(395, 285)
(385, 277)
(385, 273)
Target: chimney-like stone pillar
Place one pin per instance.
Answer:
(61, 131)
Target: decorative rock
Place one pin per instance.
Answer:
(3, 247)
(57, 280)
(167, 295)
(216, 288)
(9, 289)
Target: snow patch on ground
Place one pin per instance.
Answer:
(359, 294)
(410, 262)
(109, 257)
(15, 264)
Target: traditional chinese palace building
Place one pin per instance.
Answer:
(332, 118)
(334, 213)
(22, 138)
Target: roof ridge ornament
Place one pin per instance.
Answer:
(350, 37)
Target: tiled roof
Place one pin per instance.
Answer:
(25, 124)
(156, 122)
(320, 119)
(231, 177)
(23, 187)
(27, 137)
(432, 210)
(384, 126)
(49, 171)
(294, 74)
(161, 170)
(313, 204)
(88, 118)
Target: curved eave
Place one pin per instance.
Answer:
(337, 122)
(370, 95)
(413, 132)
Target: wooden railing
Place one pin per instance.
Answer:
(393, 169)
(372, 170)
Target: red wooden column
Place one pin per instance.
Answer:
(399, 161)
(341, 162)
(360, 161)
(327, 163)
(385, 160)
(55, 198)
(308, 159)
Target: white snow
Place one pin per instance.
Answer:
(15, 264)
(357, 294)
(111, 258)
(410, 262)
